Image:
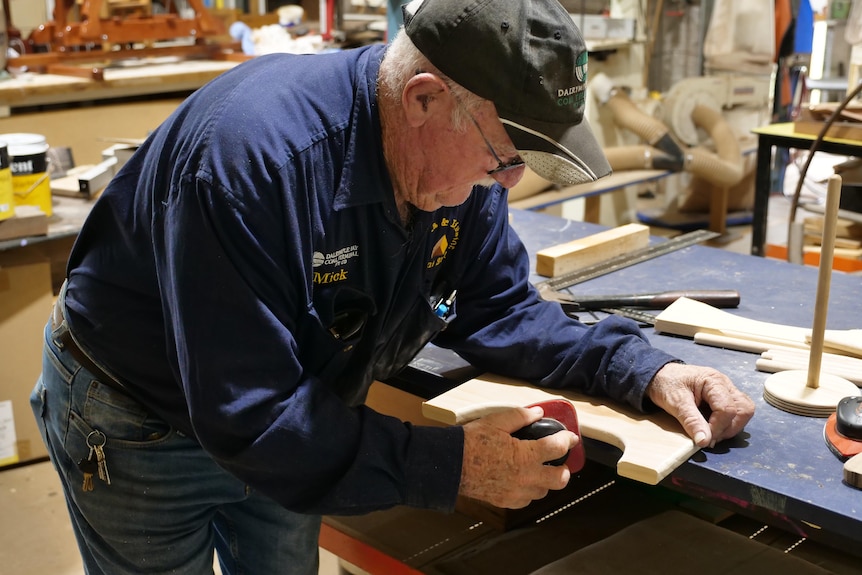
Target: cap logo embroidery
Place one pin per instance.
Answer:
(575, 96)
(581, 67)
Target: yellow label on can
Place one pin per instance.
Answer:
(31, 184)
(7, 196)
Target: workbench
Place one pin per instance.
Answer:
(157, 75)
(783, 136)
(781, 463)
(779, 471)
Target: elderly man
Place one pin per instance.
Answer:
(284, 239)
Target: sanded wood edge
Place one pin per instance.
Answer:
(853, 471)
(652, 445)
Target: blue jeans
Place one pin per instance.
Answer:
(168, 505)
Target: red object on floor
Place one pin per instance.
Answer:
(361, 554)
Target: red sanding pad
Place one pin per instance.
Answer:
(565, 413)
(839, 444)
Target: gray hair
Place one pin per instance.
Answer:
(403, 61)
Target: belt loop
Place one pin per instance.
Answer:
(61, 297)
(58, 312)
(65, 339)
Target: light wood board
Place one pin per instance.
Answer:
(583, 252)
(27, 221)
(848, 341)
(774, 360)
(690, 318)
(653, 445)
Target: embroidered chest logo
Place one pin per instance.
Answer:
(447, 232)
(332, 267)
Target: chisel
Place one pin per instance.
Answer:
(660, 300)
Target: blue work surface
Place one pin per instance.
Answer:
(779, 469)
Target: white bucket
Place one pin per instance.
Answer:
(7, 196)
(31, 184)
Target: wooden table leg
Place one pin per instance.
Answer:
(718, 209)
(592, 208)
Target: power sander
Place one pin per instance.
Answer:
(843, 435)
(559, 415)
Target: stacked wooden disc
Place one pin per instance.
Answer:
(788, 390)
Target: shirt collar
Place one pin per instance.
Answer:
(364, 177)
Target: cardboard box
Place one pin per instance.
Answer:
(597, 27)
(26, 297)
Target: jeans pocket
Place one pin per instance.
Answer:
(120, 417)
(38, 406)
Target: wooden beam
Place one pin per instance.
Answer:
(578, 254)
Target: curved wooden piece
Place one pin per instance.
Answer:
(653, 445)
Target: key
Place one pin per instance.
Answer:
(96, 441)
(89, 467)
(102, 464)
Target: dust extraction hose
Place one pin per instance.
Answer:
(722, 168)
(640, 157)
(652, 130)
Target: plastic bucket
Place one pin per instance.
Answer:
(28, 157)
(7, 197)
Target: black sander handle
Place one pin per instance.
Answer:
(715, 298)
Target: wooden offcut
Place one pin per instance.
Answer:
(583, 252)
(653, 445)
(853, 471)
(27, 221)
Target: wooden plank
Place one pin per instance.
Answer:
(40, 89)
(844, 228)
(690, 318)
(853, 471)
(653, 444)
(775, 360)
(687, 317)
(27, 221)
(845, 243)
(849, 342)
(583, 252)
(840, 130)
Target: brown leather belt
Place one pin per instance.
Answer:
(69, 344)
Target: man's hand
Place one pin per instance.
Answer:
(507, 472)
(689, 391)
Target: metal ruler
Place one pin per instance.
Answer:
(557, 283)
(638, 315)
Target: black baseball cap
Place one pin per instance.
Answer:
(529, 59)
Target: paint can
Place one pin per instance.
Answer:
(7, 197)
(28, 158)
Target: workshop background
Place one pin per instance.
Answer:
(683, 96)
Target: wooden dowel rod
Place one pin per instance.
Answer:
(824, 280)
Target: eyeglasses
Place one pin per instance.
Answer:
(501, 167)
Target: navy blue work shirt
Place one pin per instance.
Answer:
(246, 276)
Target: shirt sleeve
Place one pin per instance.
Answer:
(503, 326)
